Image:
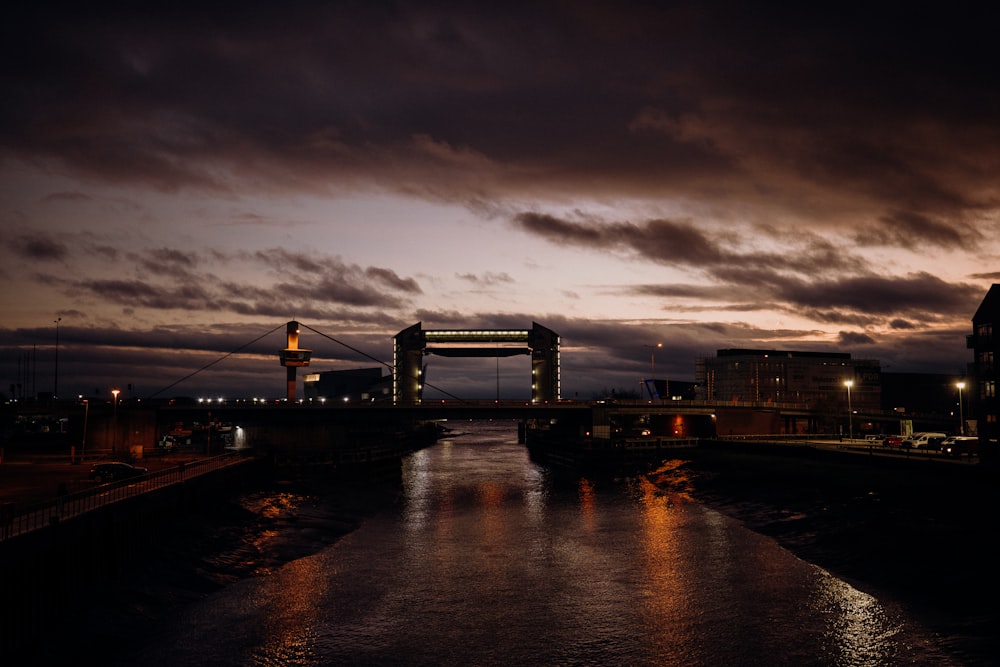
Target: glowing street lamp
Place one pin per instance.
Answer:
(55, 382)
(114, 412)
(961, 418)
(83, 440)
(652, 365)
(850, 413)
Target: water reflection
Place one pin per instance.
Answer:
(293, 621)
(861, 631)
(489, 559)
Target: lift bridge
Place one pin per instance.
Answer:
(412, 344)
(542, 345)
(293, 421)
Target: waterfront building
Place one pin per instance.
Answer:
(351, 385)
(983, 392)
(816, 379)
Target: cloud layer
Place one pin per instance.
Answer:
(707, 174)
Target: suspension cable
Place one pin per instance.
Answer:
(368, 356)
(349, 347)
(207, 366)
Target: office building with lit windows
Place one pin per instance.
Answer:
(779, 376)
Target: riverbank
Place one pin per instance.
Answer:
(200, 552)
(920, 532)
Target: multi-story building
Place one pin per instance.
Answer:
(817, 379)
(983, 394)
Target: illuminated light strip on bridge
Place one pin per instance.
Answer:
(512, 335)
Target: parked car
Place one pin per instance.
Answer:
(960, 444)
(924, 441)
(108, 472)
(892, 441)
(171, 443)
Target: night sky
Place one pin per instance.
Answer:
(176, 182)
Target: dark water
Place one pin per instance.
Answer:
(487, 558)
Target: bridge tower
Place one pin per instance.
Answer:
(545, 379)
(407, 365)
(411, 344)
(292, 357)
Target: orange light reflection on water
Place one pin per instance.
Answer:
(666, 597)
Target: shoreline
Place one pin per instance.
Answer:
(913, 533)
(245, 536)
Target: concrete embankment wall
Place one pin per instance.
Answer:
(47, 574)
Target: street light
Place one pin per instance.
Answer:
(652, 366)
(850, 413)
(83, 440)
(55, 384)
(961, 418)
(114, 411)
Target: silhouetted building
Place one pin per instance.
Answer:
(779, 376)
(983, 394)
(351, 385)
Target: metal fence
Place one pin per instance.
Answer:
(19, 519)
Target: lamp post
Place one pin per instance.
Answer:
(55, 384)
(652, 366)
(114, 411)
(850, 412)
(961, 418)
(83, 440)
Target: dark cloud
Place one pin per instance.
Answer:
(683, 244)
(108, 252)
(698, 100)
(557, 230)
(850, 339)
(907, 229)
(487, 279)
(334, 289)
(292, 262)
(171, 256)
(390, 278)
(810, 279)
(662, 241)
(921, 296)
(38, 248)
(167, 278)
(136, 293)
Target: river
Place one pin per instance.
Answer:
(486, 557)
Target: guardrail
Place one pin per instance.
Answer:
(19, 519)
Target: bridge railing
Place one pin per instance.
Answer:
(16, 519)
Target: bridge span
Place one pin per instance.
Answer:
(212, 426)
(263, 425)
